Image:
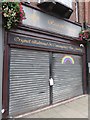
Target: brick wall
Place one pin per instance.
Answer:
(87, 12)
(73, 16)
(81, 12)
(84, 12)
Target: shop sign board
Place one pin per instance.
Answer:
(42, 43)
(44, 21)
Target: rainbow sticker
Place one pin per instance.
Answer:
(67, 58)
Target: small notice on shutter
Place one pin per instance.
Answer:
(51, 81)
(89, 70)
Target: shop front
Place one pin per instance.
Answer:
(43, 63)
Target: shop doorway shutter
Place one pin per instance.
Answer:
(29, 75)
(67, 73)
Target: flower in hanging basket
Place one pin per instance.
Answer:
(13, 14)
(84, 34)
(81, 35)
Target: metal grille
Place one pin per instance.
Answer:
(29, 74)
(67, 77)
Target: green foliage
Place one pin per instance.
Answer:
(13, 14)
(84, 35)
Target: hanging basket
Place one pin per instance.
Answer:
(13, 14)
(85, 35)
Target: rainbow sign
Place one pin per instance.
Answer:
(67, 58)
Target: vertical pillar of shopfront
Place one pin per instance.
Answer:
(88, 72)
(88, 65)
(89, 76)
(1, 63)
(51, 78)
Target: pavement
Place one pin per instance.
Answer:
(74, 108)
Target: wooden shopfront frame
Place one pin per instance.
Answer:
(37, 34)
(7, 60)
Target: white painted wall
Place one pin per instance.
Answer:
(66, 2)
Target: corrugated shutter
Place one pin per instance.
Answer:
(29, 75)
(67, 77)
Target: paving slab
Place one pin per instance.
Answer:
(77, 108)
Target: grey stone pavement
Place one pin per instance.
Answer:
(76, 108)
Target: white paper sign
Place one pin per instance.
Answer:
(51, 82)
(89, 70)
(88, 64)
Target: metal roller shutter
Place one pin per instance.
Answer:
(29, 74)
(67, 73)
